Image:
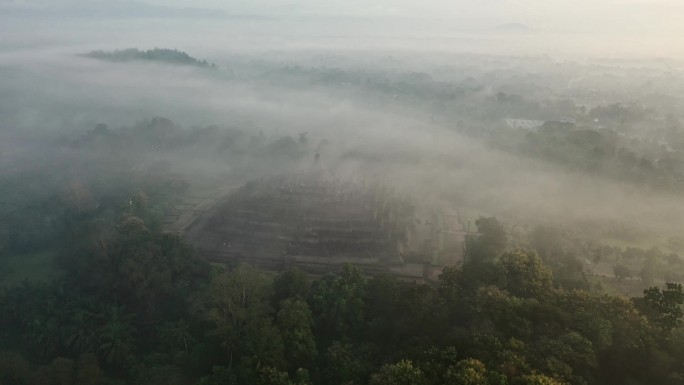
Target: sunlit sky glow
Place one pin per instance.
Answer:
(608, 27)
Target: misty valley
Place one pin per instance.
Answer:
(189, 196)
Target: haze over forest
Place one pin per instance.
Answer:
(410, 155)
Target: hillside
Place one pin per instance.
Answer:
(163, 55)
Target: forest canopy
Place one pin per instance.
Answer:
(338, 193)
(161, 55)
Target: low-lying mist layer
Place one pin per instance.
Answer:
(362, 129)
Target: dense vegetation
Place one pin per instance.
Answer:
(640, 142)
(571, 168)
(126, 303)
(54, 188)
(137, 306)
(164, 55)
(134, 305)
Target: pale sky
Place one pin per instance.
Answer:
(514, 8)
(653, 26)
(450, 7)
(620, 16)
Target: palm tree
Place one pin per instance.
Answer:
(44, 335)
(116, 336)
(81, 336)
(176, 334)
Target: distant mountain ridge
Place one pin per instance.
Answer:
(164, 55)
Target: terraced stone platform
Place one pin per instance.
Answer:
(318, 222)
(308, 215)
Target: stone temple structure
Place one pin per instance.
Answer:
(318, 222)
(310, 215)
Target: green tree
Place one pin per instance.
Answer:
(81, 331)
(472, 372)
(434, 363)
(382, 299)
(526, 276)
(262, 344)
(346, 363)
(338, 301)
(272, 376)
(421, 313)
(570, 357)
(62, 371)
(401, 373)
(665, 305)
(238, 304)
(220, 376)
(88, 370)
(488, 243)
(295, 322)
(132, 228)
(292, 283)
(537, 379)
(116, 336)
(14, 369)
(507, 313)
(176, 335)
(629, 354)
